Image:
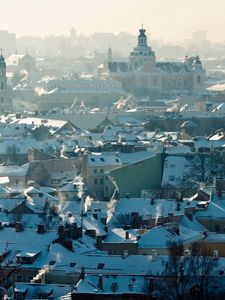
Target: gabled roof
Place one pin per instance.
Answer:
(159, 236)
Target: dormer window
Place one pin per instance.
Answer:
(26, 257)
(100, 266)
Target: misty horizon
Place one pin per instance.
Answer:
(160, 19)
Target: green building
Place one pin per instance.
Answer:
(133, 178)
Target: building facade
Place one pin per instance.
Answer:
(144, 76)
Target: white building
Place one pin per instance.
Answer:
(143, 75)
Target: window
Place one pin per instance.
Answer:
(101, 171)
(92, 159)
(102, 159)
(2, 85)
(52, 262)
(19, 296)
(95, 171)
(199, 79)
(171, 178)
(101, 180)
(72, 265)
(96, 181)
(117, 160)
(100, 266)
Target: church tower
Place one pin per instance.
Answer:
(109, 55)
(5, 104)
(142, 53)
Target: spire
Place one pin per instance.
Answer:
(109, 55)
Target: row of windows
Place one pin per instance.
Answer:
(96, 171)
(97, 181)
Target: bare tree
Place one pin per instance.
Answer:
(204, 165)
(134, 220)
(191, 277)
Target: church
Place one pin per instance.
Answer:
(144, 76)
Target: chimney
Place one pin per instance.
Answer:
(127, 235)
(68, 244)
(75, 232)
(100, 282)
(19, 227)
(205, 234)
(41, 228)
(61, 230)
(170, 217)
(189, 213)
(99, 242)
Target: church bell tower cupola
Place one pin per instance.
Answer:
(142, 53)
(142, 38)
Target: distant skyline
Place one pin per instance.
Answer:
(164, 19)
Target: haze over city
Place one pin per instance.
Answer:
(168, 20)
(112, 149)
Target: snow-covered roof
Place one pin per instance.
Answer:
(110, 285)
(35, 290)
(215, 209)
(132, 264)
(103, 159)
(130, 158)
(159, 236)
(14, 170)
(147, 208)
(219, 87)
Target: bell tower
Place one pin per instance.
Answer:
(142, 38)
(142, 53)
(5, 104)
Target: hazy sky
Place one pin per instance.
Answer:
(167, 19)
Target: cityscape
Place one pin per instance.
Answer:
(112, 150)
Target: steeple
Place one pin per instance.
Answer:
(142, 38)
(109, 54)
(142, 52)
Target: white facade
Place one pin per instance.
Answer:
(143, 72)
